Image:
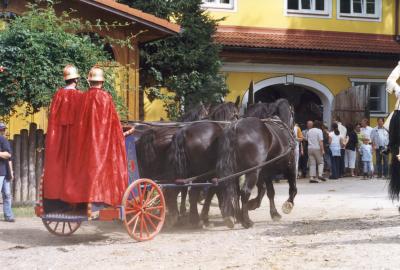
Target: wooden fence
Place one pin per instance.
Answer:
(352, 105)
(28, 160)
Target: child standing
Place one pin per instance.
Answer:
(366, 157)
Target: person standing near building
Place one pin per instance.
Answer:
(335, 144)
(303, 163)
(316, 152)
(351, 147)
(327, 155)
(366, 129)
(6, 174)
(380, 142)
(360, 142)
(299, 138)
(343, 135)
(366, 157)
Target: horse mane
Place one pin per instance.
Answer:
(261, 110)
(194, 114)
(281, 108)
(224, 112)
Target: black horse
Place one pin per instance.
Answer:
(248, 143)
(280, 108)
(153, 148)
(194, 152)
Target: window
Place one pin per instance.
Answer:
(356, 9)
(308, 7)
(377, 96)
(219, 4)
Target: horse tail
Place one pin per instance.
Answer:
(394, 184)
(227, 165)
(179, 156)
(146, 151)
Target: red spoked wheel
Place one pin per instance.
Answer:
(61, 228)
(144, 206)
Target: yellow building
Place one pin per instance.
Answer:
(308, 50)
(127, 61)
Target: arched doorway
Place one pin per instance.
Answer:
(310, 98)
(307, 105)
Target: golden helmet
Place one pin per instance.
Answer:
(96, 74)
(70, 72)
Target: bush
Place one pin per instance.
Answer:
(35, 48)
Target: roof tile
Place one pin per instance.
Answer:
(306, 40)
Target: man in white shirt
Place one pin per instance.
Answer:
(366, 129)
(316, 152)
(380, 141)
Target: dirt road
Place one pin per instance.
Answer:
(345, 224)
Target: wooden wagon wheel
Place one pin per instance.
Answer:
(61, 228)
(144, 206)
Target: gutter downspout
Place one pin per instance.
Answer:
(396, 16)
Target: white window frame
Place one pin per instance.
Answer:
(385, 105)
(327, 13)
(361, 16)
(221, 6)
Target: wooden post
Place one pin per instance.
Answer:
(17, 167)
(39, 158)
(32, 163)
(24, 165)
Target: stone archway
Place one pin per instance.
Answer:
(323, 92)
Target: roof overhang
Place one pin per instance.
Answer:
(268, 39)
(128, 13)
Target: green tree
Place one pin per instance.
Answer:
(187, 64)
(35, 48)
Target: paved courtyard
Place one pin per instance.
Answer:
(344, 224)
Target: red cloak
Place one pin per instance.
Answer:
(59, 138)
(98, 171)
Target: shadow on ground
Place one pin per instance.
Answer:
(309, 227)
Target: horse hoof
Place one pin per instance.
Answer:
(252, 205)
(229, 222)
(287, 207)
(208, 225)
(171, 221)
(247, 224)
(276, 216)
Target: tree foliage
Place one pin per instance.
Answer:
(187, 64)
(35, 48)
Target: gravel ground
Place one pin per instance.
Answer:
(345, 224)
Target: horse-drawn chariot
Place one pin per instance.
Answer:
(142, 209)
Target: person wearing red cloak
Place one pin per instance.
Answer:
(98, 172)
(59, 137)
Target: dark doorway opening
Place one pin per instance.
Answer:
(307, 105)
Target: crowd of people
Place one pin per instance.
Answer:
(342, 150)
